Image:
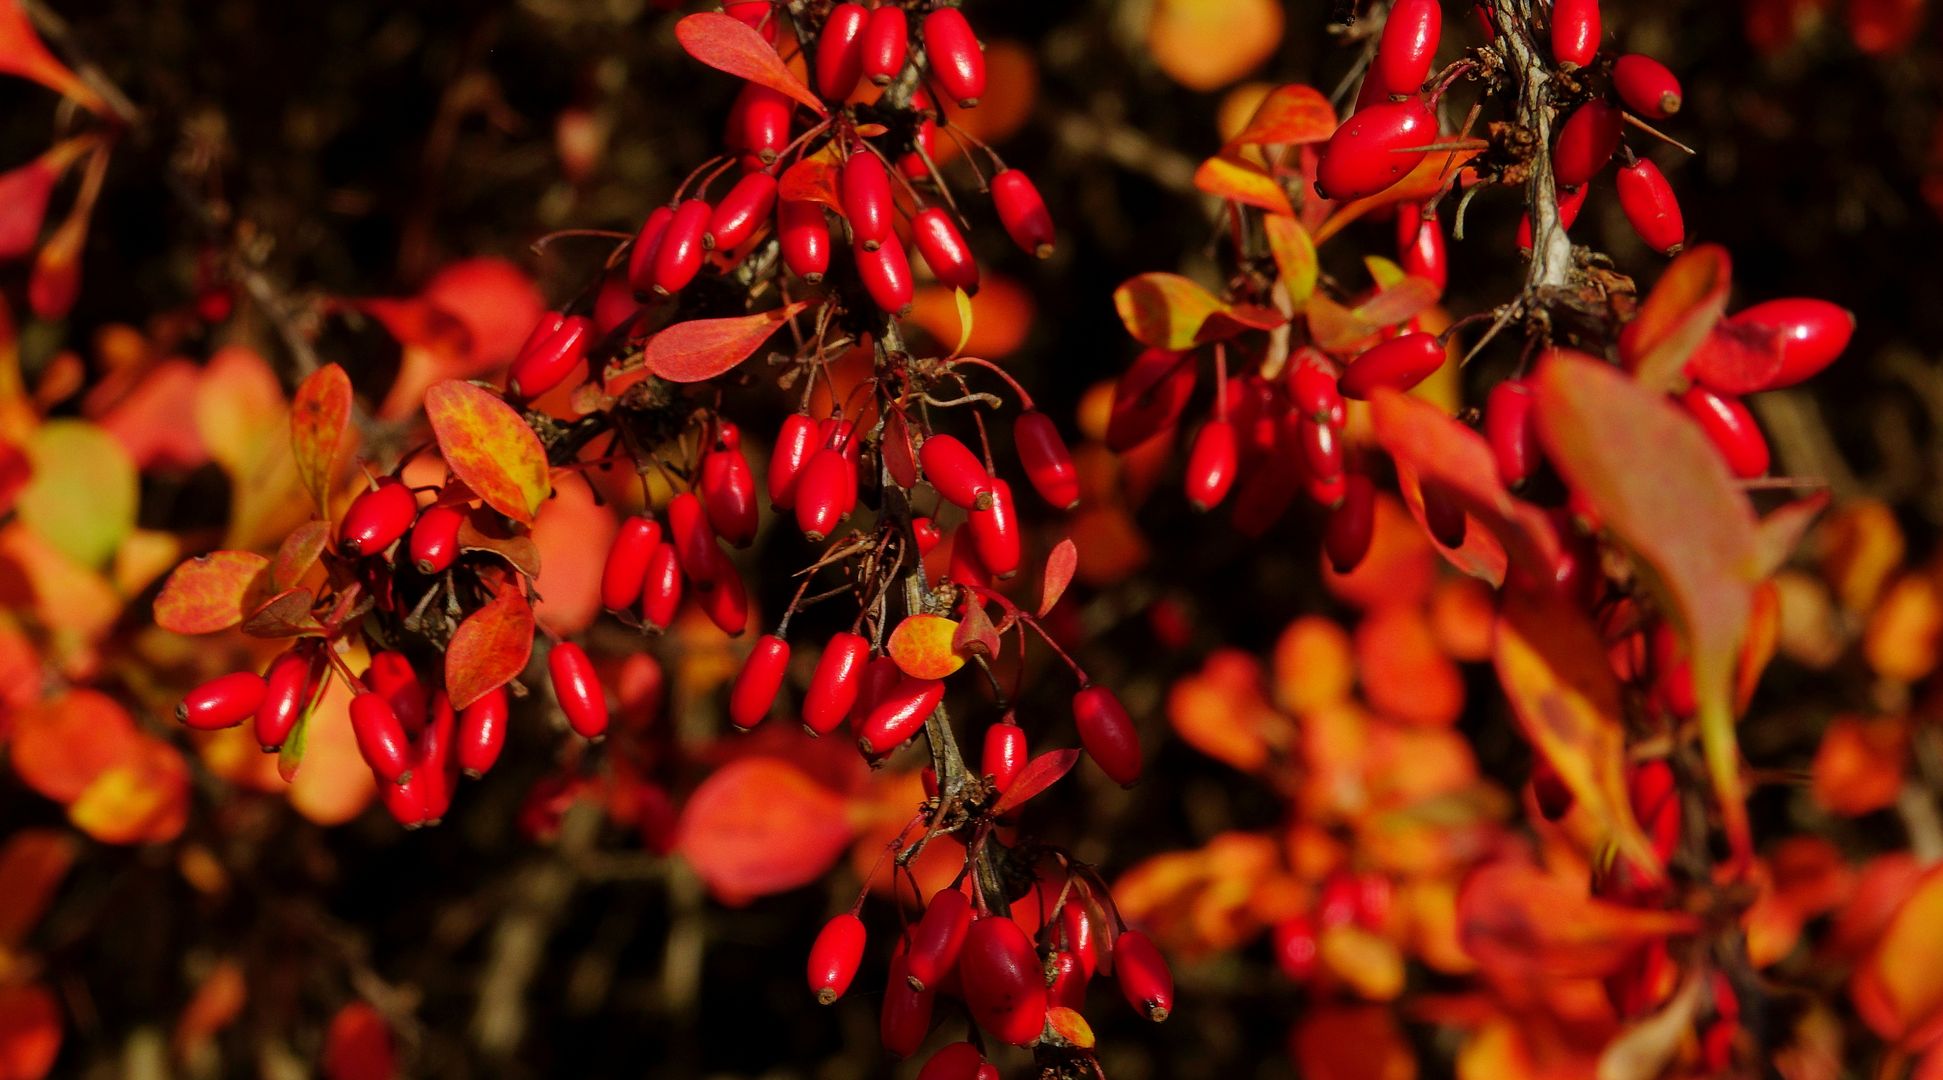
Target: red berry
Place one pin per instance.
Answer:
(759, 123)
(1023, 213)
(839, 51)
(1322, 448)
(1294, 943)
(1143, 976)
(435, 770)
(626, 570)
(678, 257)
(956, 60)
(287, 690)
(661, 590)
(1509, 428)
(1420, 246)
(694, 540)
(1570, 202)
(923, 140)
(944, 250)
(1005, 754)
(880, 676)
(835, 683)
(578, 688)
(964, 566)
(1211, 465)
(741, 211)
(729, 488)
(794, 445)
(825, 493)
(482, 732)
(1575, 32)
(1076, 935)
(1314, 389)
(435, 538)
(377, 518)
(223, 702)
(1812, 334)
(886, 37)
(995, 532)
(1352, 524)
(956, 1061)
(640, 257)
(1408, 45)
(1586, 141)
(1149, 397)
(866, 195)
(1375, 148)
(405, 801)
(759, 681)
(723, 597)
(955, 472)
(834, 956)
(1048, 464)
(805, 236)
(1651, 207)
(898, 713)
(1646, 86)
(1005, 986)
(886, 274)
(391, 676)
(1399, 363)
(928, 535)
(380, 737)
(905, 1018)
(938, 939)
(758, 14)
(1106, 733)
(545, 364)
(1731, 428)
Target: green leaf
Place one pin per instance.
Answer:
(82, 495)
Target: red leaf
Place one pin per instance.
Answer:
(899, 458)
(489, 649)
(30, 1024)
(23, 54)
(298, 553)
(726, 43)
(211, 592)
(704, 348)
(761, 825)
(320, 415)
(1039, 774)
(488, 445)
(1677, 316)
(1515, 918)
(975, 633)
(812, 179)
(1737, 358)
(1060, 566)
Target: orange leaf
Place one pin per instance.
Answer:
(1401, 566)
(143, 800)
(1898, 990)
(1204, 44)
(494, 300)
(1038, 774)
(22, 53)
(1404, 675)
(1165, 311)
(1314, 665)
(1295, 257)
(1060, 566)
(1859, 765)
(216, 1004)
(921, 645)
(212, 592)
(1244, 182)
(1514, 917)
(812, 179)
(320, 416)
(1479, 554)
(1221, 711)
(1677, 316)
(489, 649)
(62, 744)
(1356, 1042)
(30, 1018)
(760, 825)
(1288, 116)
(704, 348)
(358, 1045)
(32, 864)
(568, 583)
(726, 43)
(489, 447)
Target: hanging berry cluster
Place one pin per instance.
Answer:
(803, 222)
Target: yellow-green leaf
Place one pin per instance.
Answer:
(488, 446)
(82, 494)
(320, 417)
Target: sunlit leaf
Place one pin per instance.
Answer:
(1648, 1045)
(489, 648)
(1289, 115)
(23, 54)
(61, 744)
(142, 800)
(1205, 44)
(1060, 565)
(320, 417)
(1295, 257)
(922, 646)
(1244, 182)
(703, 348)
(1165, 311)
(1898, 989)
(82, 494)
(760, 825)
(488, 445)
(1859, 764)
(211, 592)
(1514, 917)
(812, 179)
(299, 552)
(1222, 712)
(1038, 774)
(1677, 316)
(728, 44)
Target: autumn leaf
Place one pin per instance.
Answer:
(298, 553)
(82, 493)
(1060, 565)
(142, 800)
(61, 744)
(760, 825)
(1229, 177)
(1165, 311)
(703, 348)
(1898, 989)
(1290, 115)
(1038, 774)
(1221, 711)
(32, 864)
(1514, 917)
(1295, 257)
(489, 447)
(320, 417)
(726, 43)
(23, 54)
(211, 592)
(489, 648)
(812, 179)
(1654, 479)
(1677, 316)
(1205, 44)
(922, 646)
(30, 1017)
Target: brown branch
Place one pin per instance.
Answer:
(1551, 255)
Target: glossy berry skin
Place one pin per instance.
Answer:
(1575, 32)
(995, 532)
(377, 518)
(662, 588)
(678, 258)
(944, 248)
(1023, 213)
(965, 567)
(1408, 45)
(1420, 246)
(728, 488)
(1005, 986)
(1294, 944)
(956, 1061)
(886, 273)
(1586, 141)
(1211, 465)
(1076, 936)
(1399, 363)
(435, 538)
(759, 681)
(839, 51)
(865, 188)
(222, 702)
(1143, 976)
(927, 534)
(898, 714)
(952, 51)
(287, 688)
(880, 676)
(692, 537)
(924, 138)
(794, 445)
(1510, 430)
(482, 732)
(578, 688)
(905, 1017)
(741, 212)
(1314, 389)
(938, 939)
(1812, 333)
(955, 472)
(391, 676)
(805, 237)
(836, 682)
(640, 257)
(380, 737)
(825, 493)
(1646, 86)
(834, 956)
(434, 769)
(761, 15)
(760, 123)
(1374, 149)
(1048, 463)
(1004, 754)
(886, 38)
(1107, 734)
(547, 363)
(1351, 525)
(1731, 428)
(724, 599)
(1651, 207)
(626, 569)
(1570, 202)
